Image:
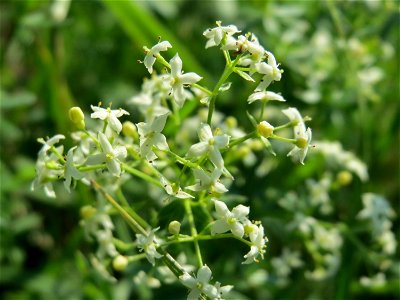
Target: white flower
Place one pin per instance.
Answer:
(151, 55)
(209, 144)
(258, 241)
(173, 189)
(207, 181)
(264, 96)
(111, 156)
(270, 70)
(222, 290)
(150, 135)
(215, 35)
(179, 79)
(199, 284)
(148, 105)
(70, 170)
(302, 136)
(227, 220)
(148, 244)
(44, 175)
(110, 115)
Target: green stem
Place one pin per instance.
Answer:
(58, 154)
(279, 138)
(131, 212)
(205, 90)
(91, 168)
(188, 239)
(182, 160)
(235, 142)
(193, 230)
(287, 125)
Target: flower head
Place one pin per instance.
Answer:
(151, 54)
(148, 244)
(302, 136)
(70, 170)
(216, 35)
(270, 70)
(174, 189)
(150, 135)
(258, 240)
(199, 284)
(179, 79)
(110, 115)
(206, 181)
(210, 145)
(229, 220)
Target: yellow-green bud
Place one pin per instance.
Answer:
(344, 177)
(243, 151)
(87, 211)
(231, 122)
(119, 263)
(76, 114)
(256, 145)
(301, 142)
(265, 129)
(129, 129)
(174, 227)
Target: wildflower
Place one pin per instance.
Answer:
(199, 284)
(44, 174)
(179, 79)
(302, 136)
(257, 248)
(216, 35)
(208, 182)
(150, 135)
(227, 220)
(222, 290)
(265, 96)
(210, 145)
(110, 115)
(70, 170)
(111, 156)
(152, 54)
(148, 244)
(174, 189)
(270, 70)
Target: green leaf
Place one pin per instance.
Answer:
(244, 75)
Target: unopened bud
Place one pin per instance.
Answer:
(120, 263)
(265, 129)
(77, 117)
(87, 211)
(129, 129)
(344, 178)
(174, 227)
(231, 122)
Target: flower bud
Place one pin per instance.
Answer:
(174, 227)
(265, 129)
(344, 178)
(77, 117)
(129, 129)
(231, 122)
(119, 263)
(87, 211)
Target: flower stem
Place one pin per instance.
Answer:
(235, 142)
(193, 230)
(141, 174)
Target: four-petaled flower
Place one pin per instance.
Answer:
(174, 189)
(270, 70)
(258, 241)
(151, 54)
(216, 35)
(111, 156)
(148, 244)
(199, 284)
(209, 144)
(178, 79)
(110, 115)
(302, 136)
(227, 220)
(150, 135)
(70, 170)
(207, 181)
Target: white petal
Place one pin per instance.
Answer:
(115, 124)
(240, 211)
(216, 158)
(160, 141)
(120, 152)
(221, 208)
(114, 167)
(204, 274)
(237, 229)
(96, 159)
(159, 123)
(189, 78)
(188, 280)
(205, 132)
(221, 141)
(198, 149)
(219, 226)
(176, 65)
(105, 144)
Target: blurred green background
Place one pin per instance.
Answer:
(341, 67)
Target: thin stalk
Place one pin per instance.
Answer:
(193, 230)
(141, 174)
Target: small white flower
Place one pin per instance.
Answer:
(207, 181)
(270, 70)
(179, 79)
(70, 170)
(222, 290)
(265, 96)
(110, 115)
(258, 241)
(209, 144)
(173, 189)
(148, 244)
(150, 135)
(302, 136)
(227, 220)
(216, 35)
(111, 156)
(199, 284)
(151, 55)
